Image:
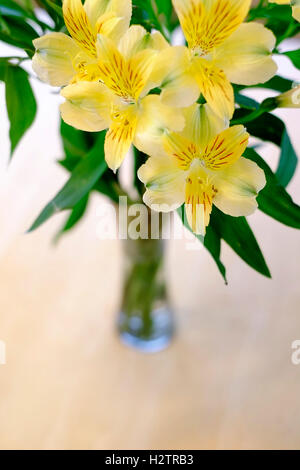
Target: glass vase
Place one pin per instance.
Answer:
(145, 321)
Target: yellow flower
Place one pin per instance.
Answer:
(61, 59)
(289, 99)
(202, 166)
(295, 6)
(221, 49)
(117, 100)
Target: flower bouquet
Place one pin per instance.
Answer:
(162, 84)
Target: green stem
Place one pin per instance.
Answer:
(142, 287)
(266, 106)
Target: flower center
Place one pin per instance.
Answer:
(202, 48)
(120, 76)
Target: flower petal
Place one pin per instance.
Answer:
(181, 149)
(296, 11)
(120, 136)
(155, 118)
(172, 71)
(226, 148)
(289, 99)
(215, 87)
(164, 181)
(120, 8)
(207, 23)
(131, 40)
(202, 124)
(108, 25)
(142, 65)
(79, 26)
(199, 194)
(238, 187)
(53, 59)
(137, 39)
(87, 106)
(246, 57)
(126, 78)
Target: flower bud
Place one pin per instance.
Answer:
(289, 99)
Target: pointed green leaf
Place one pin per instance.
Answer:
(236, 232)
(294, 56)
(246, 102)
(18, 33)
(238, 235)
(11, 8)
(56, 8)
(271, 128)
(74, 142)
(211, 241)
(82, 180)
(274, 200)
(288, 161)
(266, 127)
(75, 216)
(276, 83)
(20, 102)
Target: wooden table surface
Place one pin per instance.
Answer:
(227, 381)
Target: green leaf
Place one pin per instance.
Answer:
(139, 159)
(278, 18)
(165, 7)
(74, 142)
(4, 27)
(145, 13)
(82, 180)
(280, 21)
(76, 215)
(11, 8)
(236, 232)
(18, 33)
(276, 83)
(167, 14)
(238, 235)
(20, 102)
(294, 56)
(3, 66)
(211, 241)
(270, 128)
(288, 161)
(106, 185)
(266, 127)
(246, 102)
(274, 200)
(56, 8)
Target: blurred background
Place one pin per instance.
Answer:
(226, 382)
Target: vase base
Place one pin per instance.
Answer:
(162, 331)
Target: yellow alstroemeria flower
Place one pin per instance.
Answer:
(295, 4)
(61, 59)
(289, 99)
(202, 166)
(117, 100)
(221, 49)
